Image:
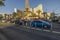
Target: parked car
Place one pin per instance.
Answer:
(4, 20)
(12, 20)
(56, 20)
(59, 21)
(18, 21)
(41, 24)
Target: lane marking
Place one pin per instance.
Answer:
(56, 32)
(44, 30)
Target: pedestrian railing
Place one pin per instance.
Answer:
(28, 25)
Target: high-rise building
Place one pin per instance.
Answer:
(39, 7)
(15, 10)
(30, 11)
(27, 5)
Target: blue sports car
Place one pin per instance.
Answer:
(41, 24)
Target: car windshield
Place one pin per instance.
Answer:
(38, 21)
(45, 22)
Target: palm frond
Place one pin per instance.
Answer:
(1, 3)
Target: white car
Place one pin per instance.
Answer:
(3, 21)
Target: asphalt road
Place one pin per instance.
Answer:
(20, 33)
(56, 27)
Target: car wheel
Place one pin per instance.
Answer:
(31, 25)
(45, 27)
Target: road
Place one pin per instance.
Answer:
(56, 27)
(18, 32)
(5, 24)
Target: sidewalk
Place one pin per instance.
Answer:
(3, 25)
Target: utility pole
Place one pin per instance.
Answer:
(46, 14)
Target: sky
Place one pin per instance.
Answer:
(50, 5)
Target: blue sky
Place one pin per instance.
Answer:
(50, 5)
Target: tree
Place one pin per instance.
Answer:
(45, 15)
(39, 13)
(53, 16)
(14, 14)
(1, 16)
(2, 2)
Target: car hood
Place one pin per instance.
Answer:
(46, 23)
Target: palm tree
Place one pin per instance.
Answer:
(2, 2)
(45, 15)
(53, 15)
(38, 13)
(14, 14)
